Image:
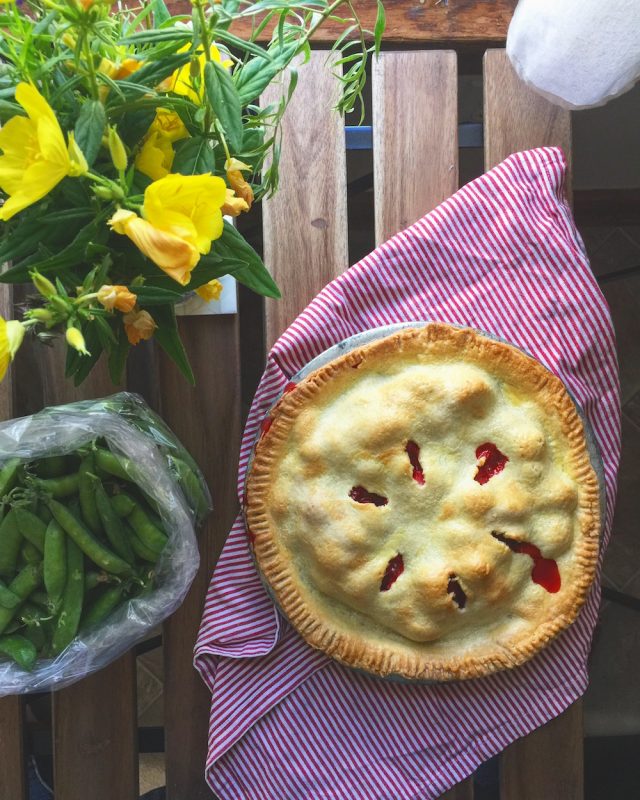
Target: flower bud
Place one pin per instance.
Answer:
(117, 150)
(40, 314)
(42, 284)
(75, 339)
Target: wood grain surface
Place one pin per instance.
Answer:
(415, 136)
(547, 763)
(95, 742)
(305, 224)
(516, 118)
(13, 784)
(429, 21)
(206, 419)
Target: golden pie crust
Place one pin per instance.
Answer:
(326, 554)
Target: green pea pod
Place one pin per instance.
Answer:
(30, 526)
(30, 553)
(140, 549)
(20, 649)
(100, 609)
(149, 534)
(64, 486)
(25, 582)
(111, 463)
(93, 579)
(10, 542)
(68, 619)
(122, 504)
(9, 475)
(52, 467)
(7, 598)
(55, 561)
(191, 487)
(34, 632)
(87, 495)
(44, 513)
(92, 548)
(111, 523)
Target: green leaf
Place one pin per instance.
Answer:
(378, 30)
(194, 156)
(169, 340)
(90, 129)
(118, 355)
(156, 296)
(225, 102)
(208, 269)
(152, 73)
(233, 247)
(178, 35)
(254, 76)
(160, 12)
(241, 44)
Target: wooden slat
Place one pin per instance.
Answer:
(464, 21)
(462, 791)
(13, 785)
(415, 136)
(517, 118)
(549, 762)
(415, 155)
(305, 224)
(94, 721)
(206, 419)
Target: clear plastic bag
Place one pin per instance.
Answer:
(163, 471)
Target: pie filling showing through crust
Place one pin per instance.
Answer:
(425, 506)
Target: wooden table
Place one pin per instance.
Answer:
(305, 234)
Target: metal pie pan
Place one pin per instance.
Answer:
(374, 334)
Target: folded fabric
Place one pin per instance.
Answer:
(577, 53)
(501, 255)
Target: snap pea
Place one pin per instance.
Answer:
(30, 526)
(55, 561)
(191, 486)
(10, 541)
(122, 504)
(30, 553)
(141, 550)
(34, 632)
(92, 548)
(113, 464)
(93, 579)
(51, 467)
(68, 619)
(25, 582)
(41, 599)
(20, 649)
(7, 598)
(100, 609)
(9, 475)
(111, 522)
(149, 534)
(64, 486)
(87, 495)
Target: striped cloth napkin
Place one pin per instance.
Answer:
(502, 255)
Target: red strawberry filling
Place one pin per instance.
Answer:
(545, 571)
(361, 495)
(490, 462)
(413, 451)
(459, 595)
(394, 569)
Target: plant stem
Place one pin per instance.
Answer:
(206, 44)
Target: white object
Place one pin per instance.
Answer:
(194, 305)
(577, 53)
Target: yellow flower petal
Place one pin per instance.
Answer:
(118, 297)
(138, 325)
(233, 206)
(15, 335)
(5, 351)
(79, 164)
(155, 159)
(210, 291)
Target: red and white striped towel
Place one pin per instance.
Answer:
(501, 255)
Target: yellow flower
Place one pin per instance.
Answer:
(138, 325)
(155, 159)
(35, 158)
(75, 339)
(118, 297)
(237, 182)
(182, 80)
(181, 218)
(234, 205)
(210, 291)
(11, 336)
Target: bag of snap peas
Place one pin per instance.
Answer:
(99, 503)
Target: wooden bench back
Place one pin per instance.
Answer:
(305, 233)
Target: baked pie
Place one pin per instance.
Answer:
(425, 505)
